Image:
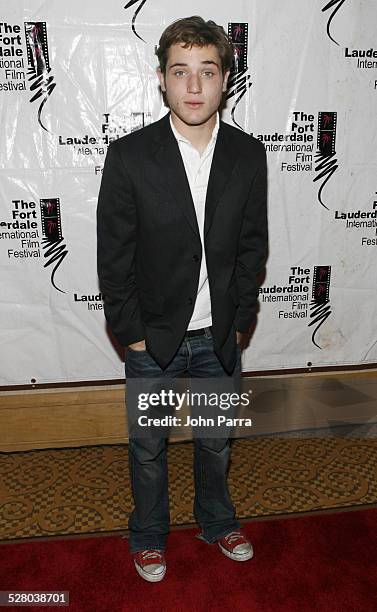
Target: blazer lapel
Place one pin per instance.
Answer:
(222, 166)
(169, 158)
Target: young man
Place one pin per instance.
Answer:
(182, 235)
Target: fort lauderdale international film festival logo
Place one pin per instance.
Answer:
(41, 81)
(55, 250)
(27, 243)
(307, 145)
(320, 308)
(12, 61)
(325, 162)
(292, 297)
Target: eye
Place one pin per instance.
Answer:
(208, 73)
(179, 73)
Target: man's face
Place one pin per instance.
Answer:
(193, 83)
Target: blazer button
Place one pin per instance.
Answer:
(190, 301)
(195, 257)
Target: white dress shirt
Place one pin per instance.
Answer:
(197, 170)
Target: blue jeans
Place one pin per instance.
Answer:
(213, 509)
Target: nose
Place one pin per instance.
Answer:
(193, 84)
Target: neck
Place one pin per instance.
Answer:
(198, 135)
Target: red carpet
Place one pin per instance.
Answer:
(311, 563)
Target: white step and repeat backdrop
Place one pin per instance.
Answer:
(75, 75)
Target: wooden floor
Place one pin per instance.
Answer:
(64, 418)
(74, 417)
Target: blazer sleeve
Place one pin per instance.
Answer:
(252, 246)
(116, 246)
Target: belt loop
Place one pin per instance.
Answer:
(207, 331)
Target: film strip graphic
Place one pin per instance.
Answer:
(238, 35)
(37, 47)
(239, 81)
(321, 284)
(139, 120)
(326, 135)
(54, 249)
(41, 82)
(320, 308)
(51, 220)
(325, 162)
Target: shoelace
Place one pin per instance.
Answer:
(151, 554)
(233, 536)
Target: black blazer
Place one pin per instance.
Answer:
(149, 248)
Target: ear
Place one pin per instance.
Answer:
(225, 80)
(161, 78)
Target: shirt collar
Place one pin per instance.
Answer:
(181, 138)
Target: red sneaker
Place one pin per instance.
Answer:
(150, 564)
(236, 546)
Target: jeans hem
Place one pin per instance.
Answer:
(223, 533)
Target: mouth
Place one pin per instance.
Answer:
(194, 105)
